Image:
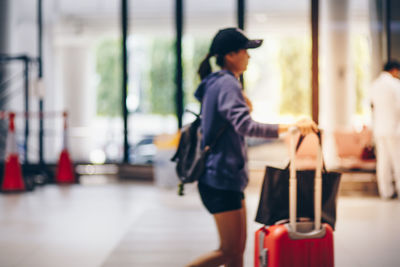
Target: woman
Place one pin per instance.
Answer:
(225, 178)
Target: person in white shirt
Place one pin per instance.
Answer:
(385, 100)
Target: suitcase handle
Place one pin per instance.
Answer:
(293, 183)
(305, 231)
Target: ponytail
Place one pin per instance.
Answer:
(205, 67)
(220, 60)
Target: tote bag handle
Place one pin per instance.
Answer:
(293, 182)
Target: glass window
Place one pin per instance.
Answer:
(151, 85)
(360, 52)
(278, 78)
(203, 19)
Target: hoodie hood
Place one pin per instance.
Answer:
(201, 90)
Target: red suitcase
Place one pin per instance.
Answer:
(296, 243)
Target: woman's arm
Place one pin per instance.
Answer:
(233, 107)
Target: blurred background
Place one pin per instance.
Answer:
(108, 81)
(81, 44)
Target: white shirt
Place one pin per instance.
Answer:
(385, 97)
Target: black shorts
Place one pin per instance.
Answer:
(217, 200)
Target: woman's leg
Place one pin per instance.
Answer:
(237, 259)
(231, 227)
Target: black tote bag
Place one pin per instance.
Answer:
(274, 198)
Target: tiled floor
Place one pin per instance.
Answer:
(137, 224)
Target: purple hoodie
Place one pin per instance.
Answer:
(223, 103)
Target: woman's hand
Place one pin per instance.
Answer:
(306, 126)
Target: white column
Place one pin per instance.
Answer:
(78, 97)
(338, 102)
(376, 27)
(337, 95)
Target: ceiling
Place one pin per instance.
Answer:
(158, 15)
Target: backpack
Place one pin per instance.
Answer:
(190, 157)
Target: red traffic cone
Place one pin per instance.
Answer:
(13, 180)
(65, 169)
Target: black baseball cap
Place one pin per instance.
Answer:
(231, 39)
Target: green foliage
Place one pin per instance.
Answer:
(108, 68)
(191, 64)
(161, 92)
(157, 75)
(294, 58)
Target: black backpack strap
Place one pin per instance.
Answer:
(181, 189)
(175, 156)
(220, 132)
(194, 113)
